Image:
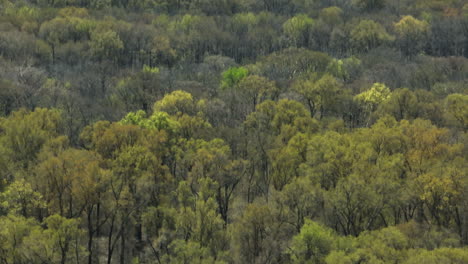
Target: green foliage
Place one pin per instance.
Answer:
(24, 133)
(175, 103)
(345, 69)
(377, 94)
(190, 252)
(298, 28)
(369, 100)
(332, 15)
(251, 234)
(14, 230)
(458, 108)
(312, 244)
(158, 120)
(152, 70)
(106, 45)
(321, 94)
(370, 4)
(59, 243)
(20, 198)
(369, 34)
(402, 104)
(233, 76)
(412, 34)
(443, 255)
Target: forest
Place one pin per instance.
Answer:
(233, 131)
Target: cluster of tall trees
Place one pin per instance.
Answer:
(238, 131)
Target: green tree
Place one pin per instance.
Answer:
(320, 95)
(381, 246)
(176, 103)
(190, 252)
(138, 91)
(56, 243)
(251, 234)
(370, 4)
(66, 180)
(412, 34)
(106, 45)
(441, 255)
(298, 30)
(20, 198)
(233, 76)
(14, 230)
(24, 133)
(312, 244)
(402, 104)
(369, 34)
(347, 69)
(458, 109)
(186, 111)
(299, 200)
(55, 32)
(369, 100)
(332, 15)
(256, 89)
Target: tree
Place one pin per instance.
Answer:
(56, 243)
(369, 34)
(21, 143)
(139, 91)
(251, 234)
(55, 32)
(458, 109)
(186, 111)
(292, 63)
(213, 160)
(8, 94)
(441, 190)
(232, 76)
(158, 120)
(332, 15)
(412, 35)
(442, 256)
(14, 230)
(285, 162)
(68, 179)
(386, 245)
(176, 103)
(372, 98)
(370, 4)
(320, 95)
(190, 252)
(270, 128)
(312, 244)
(106, 45)
(347, 70)
(19, 198)
(251, 90)
(298, 30)
(299, 200)
(402, 104)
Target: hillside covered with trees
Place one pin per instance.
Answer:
(234, 131)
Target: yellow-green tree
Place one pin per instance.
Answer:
(412, 34)
(369, 34)
(320, 95)
(312, 244)
(298, 30)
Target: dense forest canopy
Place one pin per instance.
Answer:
(233, 131)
